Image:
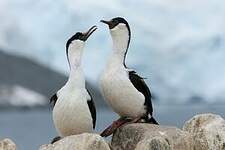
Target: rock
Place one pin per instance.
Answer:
(85, 141)
(156, 143)
(7, 144)
(151, 137)
(208, 131)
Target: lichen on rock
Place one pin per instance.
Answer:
(208, 131)
(151, 137)
(85, 141)
(7, 144)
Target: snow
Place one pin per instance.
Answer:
(17, 95)
(179, 45)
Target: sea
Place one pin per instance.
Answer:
(31, 128)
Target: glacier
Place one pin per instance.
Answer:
(178, 45)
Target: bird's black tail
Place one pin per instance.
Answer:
(152, 121)
(56, 139)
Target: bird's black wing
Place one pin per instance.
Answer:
(53, 99)
(92, 109)
(141, 86)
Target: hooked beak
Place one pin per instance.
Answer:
(88, 33)
(109, 23)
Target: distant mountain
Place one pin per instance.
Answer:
(24, 82)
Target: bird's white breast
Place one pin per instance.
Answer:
(71, 114)
(120, 93)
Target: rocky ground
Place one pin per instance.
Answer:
(202, 132)
(7, 144)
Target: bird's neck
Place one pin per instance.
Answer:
(75, 59)
(120, 46)
(76, 76)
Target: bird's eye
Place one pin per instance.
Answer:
(79, 36)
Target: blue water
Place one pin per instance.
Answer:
(31, 128)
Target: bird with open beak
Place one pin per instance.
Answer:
(74, 109)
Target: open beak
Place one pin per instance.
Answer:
(88, 33)
(109, 23)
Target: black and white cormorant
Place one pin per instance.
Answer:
(74, 109)
(123, 89)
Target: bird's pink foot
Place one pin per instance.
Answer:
(116, 124)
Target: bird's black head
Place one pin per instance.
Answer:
(119, 28)
(115, 21)
(82, 36)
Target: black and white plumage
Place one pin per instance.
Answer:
(91, 106)
(124, 90)
(74, 109)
